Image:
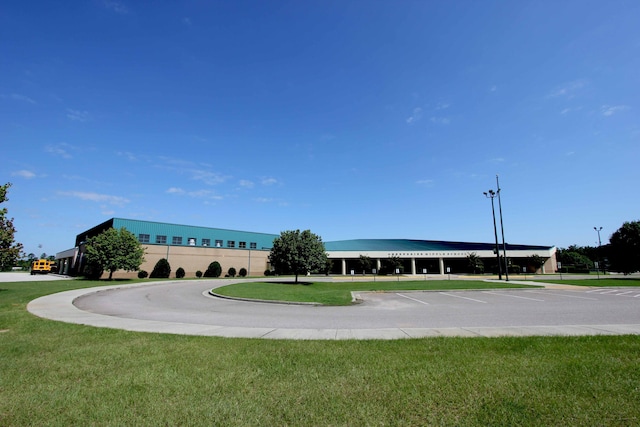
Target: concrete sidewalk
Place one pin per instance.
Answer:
(60, 307)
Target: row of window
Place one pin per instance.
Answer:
(192, 241)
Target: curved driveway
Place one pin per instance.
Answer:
(186, 308)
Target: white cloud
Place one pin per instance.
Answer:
(116, 6)
(24, 174)
(417, 115)
(197, 194)
(269, 181)
(493, 88)
(95, 197)
(440, 120)
(208, 177)
(186, 21)
(59, 150)
(129, 156)
(77, 115)
(610, 110)
(263, 200)
(246, 183)
(567, 90)
(18, 97)
(426, 182)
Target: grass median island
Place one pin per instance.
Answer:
(61, 374)
(339, 293)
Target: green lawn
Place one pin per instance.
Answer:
(61, 374)
(339, 293)
(597, 282)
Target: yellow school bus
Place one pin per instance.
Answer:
(42, 266)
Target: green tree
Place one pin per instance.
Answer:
(364, 263)
(475, 264)
(624, 248)
(180, 273)
(214, 270)
(231, 272)
(298, 252)
(535, 261)
(162, 269)
(9, 249)
(114, 250)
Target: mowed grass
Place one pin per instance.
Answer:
(339, 293)
(604, 282)
(61, 374)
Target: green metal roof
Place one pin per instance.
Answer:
(418, 245)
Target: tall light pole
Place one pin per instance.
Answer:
(599, 250)
(491, 195)
(504, 244)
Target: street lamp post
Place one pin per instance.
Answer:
(504, 244)
(491, 195)
(599, 250)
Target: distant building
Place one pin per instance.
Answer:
(193, 248)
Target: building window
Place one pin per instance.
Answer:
(242, 245)
(161, 240)
(253, 245)
(218, 243)
(143, 238)
(176, 240)
(206, 242)
(231, 243)
(192, 241)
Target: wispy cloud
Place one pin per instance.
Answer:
(269, 181)
(95, 197)
(24, 174)
(440, 120)
(61, 150)
(567, 90)
(116, 6)
(127, 155)
(77, 115)
(610, 110)
(426, 182)
(245, 183)
(195, 171)
(208, 177)
(415, 116)
(19, 98)
(187, 21)
(198, 194)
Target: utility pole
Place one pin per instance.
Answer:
(491, 195)
(504, 244)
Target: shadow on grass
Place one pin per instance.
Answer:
(292, 283)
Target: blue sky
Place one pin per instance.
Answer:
(355, 119)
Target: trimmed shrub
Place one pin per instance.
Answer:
(267, 273)
(214, 270)
(198, 274)
(162, 270)
(242, 272)
(232, 272)
(142, 274)
(179, 273)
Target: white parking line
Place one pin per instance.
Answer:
(511, 296)
(458, 296)
(562, 295)
(413, 299)
(624, 293)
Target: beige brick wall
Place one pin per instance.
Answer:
(194, 258)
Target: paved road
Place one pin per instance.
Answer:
(23, 276)
(186, 308)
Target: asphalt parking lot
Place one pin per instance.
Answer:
(186, 308)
